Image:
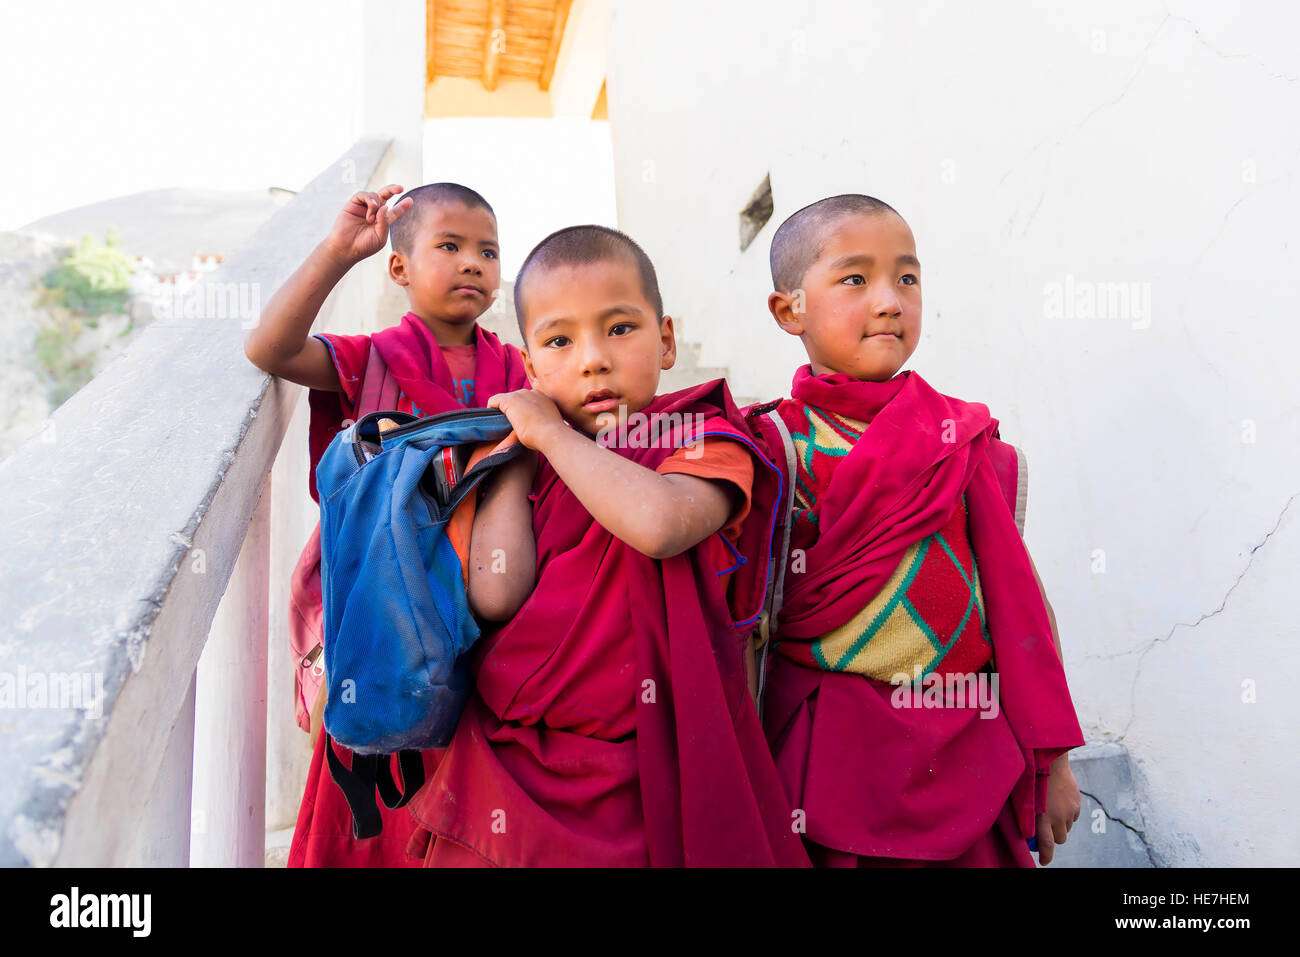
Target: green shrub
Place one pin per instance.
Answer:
(92, 280)
(55, 351)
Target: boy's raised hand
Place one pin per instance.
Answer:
(361, 229)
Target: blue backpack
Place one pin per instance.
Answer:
(397, 624)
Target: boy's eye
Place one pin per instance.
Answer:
(449, 246)
(557, 341)
(911, 276)
(622, 325)
(850, 280)
(490, 253)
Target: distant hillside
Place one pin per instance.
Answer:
(168, 226)
(25, 389)
(48, 351)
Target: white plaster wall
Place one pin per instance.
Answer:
(539, 175)
(392, 83)
(1113, 142)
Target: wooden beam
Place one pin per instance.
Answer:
(553, 51)
(495, 43)
(430, 51)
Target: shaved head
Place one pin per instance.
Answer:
(800, 239)
(403, 232)
(582, 246)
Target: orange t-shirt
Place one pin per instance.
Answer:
(729, 461)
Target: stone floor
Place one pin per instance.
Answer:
(277, 847)
(1109, 833)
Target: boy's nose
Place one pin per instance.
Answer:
(887, 303)
(595, 358)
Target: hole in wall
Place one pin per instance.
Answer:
(756, 212)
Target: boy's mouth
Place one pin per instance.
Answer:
(470, 288)
(600, 400)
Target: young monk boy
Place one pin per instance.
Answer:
(445, 256)
(906, 569)
(611, 723)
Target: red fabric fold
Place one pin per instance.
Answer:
(611, 723)
(878, 780)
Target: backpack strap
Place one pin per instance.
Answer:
(1022, 488)
(461, 523)
(762, 643)
(1012, 472)
(371, 771)
(379, 389)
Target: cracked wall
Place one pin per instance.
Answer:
(1104, 199)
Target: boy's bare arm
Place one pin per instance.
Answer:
(1064, 802)
(282, 343)
(502, 551)
(1051, 614)
(658, 515)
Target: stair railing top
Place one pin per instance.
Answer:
(119, 526)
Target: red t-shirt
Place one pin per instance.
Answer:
(460, 360)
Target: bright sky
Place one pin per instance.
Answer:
(104, 99)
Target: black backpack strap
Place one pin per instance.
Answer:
(371, 771)
(411, 764)
(358, 787)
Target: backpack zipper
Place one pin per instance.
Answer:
(411, 426)
(440, 417)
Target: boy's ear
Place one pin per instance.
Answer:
(528, 368)
(668, 342)
(787, 309)
(397, 269)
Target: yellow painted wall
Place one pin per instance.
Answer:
(465, 96)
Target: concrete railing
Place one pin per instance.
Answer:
(143, 578)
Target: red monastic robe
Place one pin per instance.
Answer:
(611, 723)
(881, 784)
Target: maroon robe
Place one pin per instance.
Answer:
(913, 784)
(611, 723)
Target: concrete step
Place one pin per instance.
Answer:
(277, 847)
(1110, 831)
